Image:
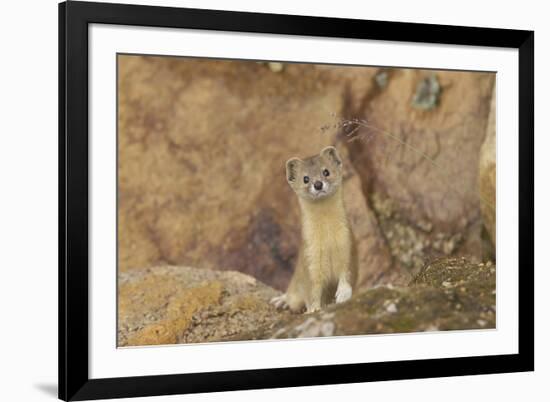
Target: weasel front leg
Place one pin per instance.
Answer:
(344, 290)
(315, 303)
(316, 294)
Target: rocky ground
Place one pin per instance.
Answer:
(168, 305)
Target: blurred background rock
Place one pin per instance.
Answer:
(202, 149)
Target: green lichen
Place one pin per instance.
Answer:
(428, 91)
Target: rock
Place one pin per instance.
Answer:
(449, 294)
(202, 151)
(427, 93)
(167, 305)
(424, 194)
(276, 67)
(391, 308)
(487, 175)
(375, 260)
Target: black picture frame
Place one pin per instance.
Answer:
(74, 18)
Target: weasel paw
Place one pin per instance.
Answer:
(343, 293)
(279, 302)
(313, 308)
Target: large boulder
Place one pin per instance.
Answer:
(203, 144)
(202, 154)
(167, 305)
(418, 158)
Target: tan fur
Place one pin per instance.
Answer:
(326, 270)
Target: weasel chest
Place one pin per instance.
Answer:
(328, 247)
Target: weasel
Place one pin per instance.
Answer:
(326, 270)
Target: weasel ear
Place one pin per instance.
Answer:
(332, 154)
(292, 169)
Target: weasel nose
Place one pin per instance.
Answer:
(318, 185)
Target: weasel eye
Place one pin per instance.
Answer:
(306, 179)
(326, 173)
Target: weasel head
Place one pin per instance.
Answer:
(317, 177)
